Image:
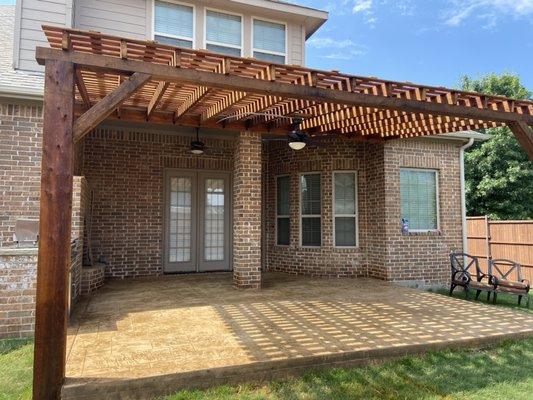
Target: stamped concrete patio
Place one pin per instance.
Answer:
(137, 339)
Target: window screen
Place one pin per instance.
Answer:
(418, 192)
(173, 24)
(345, 208)
(223, 33)
(283, 210)
(311, 207)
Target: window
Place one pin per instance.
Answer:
(269, 41)
(174, 24)
(345, 208)
(223, 33)
(283, 222)
(310, 210)
(418, 192)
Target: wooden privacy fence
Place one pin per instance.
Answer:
(512, 240)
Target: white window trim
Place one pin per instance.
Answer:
(283, 216)
(301, 216)
(193, 39)
(275, 53)
(437, 198)
(232, 46)
(356, 215)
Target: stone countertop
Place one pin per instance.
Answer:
(18, 251)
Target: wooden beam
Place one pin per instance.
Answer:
(108, 105)
(234, 82)
(524, 135)
(54, 231)
(156, 98)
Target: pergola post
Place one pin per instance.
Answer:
(54, 231)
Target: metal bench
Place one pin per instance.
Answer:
(502, 271)
(464, 268)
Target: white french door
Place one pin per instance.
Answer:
(197, 221)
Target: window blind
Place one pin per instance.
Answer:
(223, 28)
(269, 36)
(311, 208)
(345, 208)
(418, 192)
(283, 210)
(173, 19)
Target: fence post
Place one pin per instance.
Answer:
(487, 239)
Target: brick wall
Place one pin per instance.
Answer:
(422, 257)
(18, 269)
(247, 211)
(325, 260)
(125, 171)
(20, 164)
(80, 204)
(383, 252)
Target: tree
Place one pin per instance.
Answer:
(498, 173)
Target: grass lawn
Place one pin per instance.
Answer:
(503, 300)
(16, 359)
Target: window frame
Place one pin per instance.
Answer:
(437, 198)
(206, 42)
(178, 37)
(302, 216)
(274, 53)
(335, 215)
(288, 216)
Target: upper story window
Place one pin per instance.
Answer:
(269, 41)
(174, 24)
(418, 193)
(223, 33)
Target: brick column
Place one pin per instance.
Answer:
(247, 211)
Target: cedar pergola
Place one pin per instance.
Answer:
(91, 77)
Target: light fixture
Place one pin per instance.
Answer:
(197, 146)
(297, 139)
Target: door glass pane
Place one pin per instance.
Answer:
(180, 219)
(283, 195)
(214, 220)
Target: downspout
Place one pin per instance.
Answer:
(463, 194)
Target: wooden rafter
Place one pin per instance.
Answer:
(82, 89)
(195, 98)
(207, 88)
(108, 105)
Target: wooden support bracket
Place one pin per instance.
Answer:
(524, 135)
(105, 107)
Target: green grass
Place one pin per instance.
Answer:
(503, 300)
(16, 359)
(504, 372)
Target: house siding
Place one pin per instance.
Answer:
(30, 16)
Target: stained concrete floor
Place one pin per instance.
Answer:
(197, 325)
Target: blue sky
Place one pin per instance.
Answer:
(432, 42)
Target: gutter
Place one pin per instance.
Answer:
(19, 92)
(463, 192)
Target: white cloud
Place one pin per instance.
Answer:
(338, 49)
(362, 6)
(488, 10)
